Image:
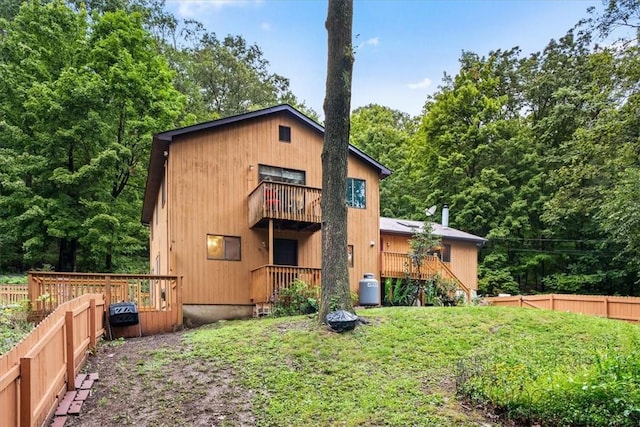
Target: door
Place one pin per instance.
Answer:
(285, 252)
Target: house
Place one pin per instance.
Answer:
(456, 258)
(233, 207)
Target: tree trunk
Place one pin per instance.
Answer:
(67, 249)
(337, 104)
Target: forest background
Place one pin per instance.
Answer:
(538, 153)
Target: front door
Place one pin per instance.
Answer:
(285, 252)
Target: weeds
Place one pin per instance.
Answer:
(532, 384)
(14, 325)
(297, 298)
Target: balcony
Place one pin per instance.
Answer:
(290, 206)
(267, 281)
(399, 265)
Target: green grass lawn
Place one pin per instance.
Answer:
(414, 366)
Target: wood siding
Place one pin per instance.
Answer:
(210, 176)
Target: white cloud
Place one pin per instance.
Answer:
(374, 41)
(423, 84)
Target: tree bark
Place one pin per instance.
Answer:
(337, 105)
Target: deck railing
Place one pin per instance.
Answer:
(13, 294)
(399, 265)
(269, 280)
(158, 297)
(284, 202)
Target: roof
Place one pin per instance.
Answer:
(161, 142)
(410, 227)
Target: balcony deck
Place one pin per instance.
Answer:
(267, 281)
(398, 265)
(292, 207)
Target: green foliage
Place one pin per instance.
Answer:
(602, 388)
(297, 298)
(13, 280)
(14, 325)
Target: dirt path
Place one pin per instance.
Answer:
(135, 390)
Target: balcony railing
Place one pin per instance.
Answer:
(268, 281)
(292, 206)
(399, 265)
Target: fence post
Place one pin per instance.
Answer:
(179, 299)
(606, 307)
(551, 300)
(520, 301)
(71, 358)
(33, 292)
(93, 339)
(107, 290)
(25, 392)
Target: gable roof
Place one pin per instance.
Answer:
(410, 227)
(161, 142)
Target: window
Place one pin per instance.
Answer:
(223, 247)
(443, 252)
(356, 193)
(350, 255)
(284, 133)
(277, 174)
(445, 255)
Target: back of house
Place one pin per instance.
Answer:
(233, 207)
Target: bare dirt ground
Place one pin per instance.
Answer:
(133, 390)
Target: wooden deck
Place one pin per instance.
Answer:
(158, 298)
(398, 265)
(294, 207)
(267, 281)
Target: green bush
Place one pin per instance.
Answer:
(604, 391)
(13, 280)
(13, 325)
(296, 299)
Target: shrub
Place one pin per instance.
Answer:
(604, 391)
(297, 298)
(13, 325)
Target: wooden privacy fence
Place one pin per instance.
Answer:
(38, 371)
(158, 298)
(13, 294)
(613, 307)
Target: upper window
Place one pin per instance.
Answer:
(276, 174)
(223, 247)
(356, 193)
(284, 133)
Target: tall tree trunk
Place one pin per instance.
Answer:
(337, 105)
(67, 249)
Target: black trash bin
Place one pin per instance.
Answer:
(123, 314)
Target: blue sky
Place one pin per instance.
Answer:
(403, 47)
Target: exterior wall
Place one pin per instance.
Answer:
(464, 262)
(211, 174)
(464, 255)
(363, 226)
(159, 234)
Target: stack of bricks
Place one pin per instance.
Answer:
(72, 401)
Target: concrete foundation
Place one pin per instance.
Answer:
(200, 314)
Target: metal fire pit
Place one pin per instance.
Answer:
(123, 314)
